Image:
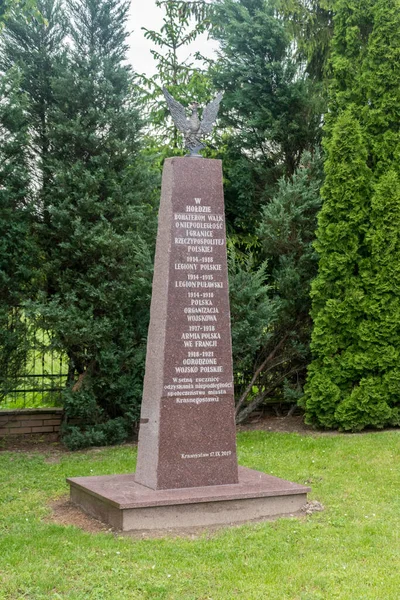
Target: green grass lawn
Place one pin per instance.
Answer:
(349, 551)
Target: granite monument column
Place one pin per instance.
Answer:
(187, 429)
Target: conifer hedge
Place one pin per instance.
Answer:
(354, 379)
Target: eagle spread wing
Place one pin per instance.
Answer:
(177, 111)
(210, 113)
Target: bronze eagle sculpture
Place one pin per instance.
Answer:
(193, 129)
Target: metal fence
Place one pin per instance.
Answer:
(36, 372)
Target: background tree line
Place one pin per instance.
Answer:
(83, 139)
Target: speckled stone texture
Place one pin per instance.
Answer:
(187, 431)
(128, 506)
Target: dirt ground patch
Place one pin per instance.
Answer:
(63, 512)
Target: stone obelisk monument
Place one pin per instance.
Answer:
(187, 472)
(187, 431)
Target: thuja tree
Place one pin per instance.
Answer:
(353, 380)
(97, 228)
(365, 74)
(337, 292)
(379, 88)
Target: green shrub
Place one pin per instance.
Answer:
(115, 431)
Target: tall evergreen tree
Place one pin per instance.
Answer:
(18, 253)
(29, 50)
(36, 47)
(271, 362)
(380, 88)
(311, 22)
(353, 379)
(337, 291)
(269, 112)
(98, 226)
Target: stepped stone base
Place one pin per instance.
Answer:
(128, 506)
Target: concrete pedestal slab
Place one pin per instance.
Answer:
(129, 506)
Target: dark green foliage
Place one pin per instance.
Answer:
(95, 213)
(253, 313)
(353, 380)
(87, 424)
(15, 193)
(3, 9)
(18, 252)
(29, 53)
(98, 225)
(312, 26)
(114, 431)
(287, 232)
(35, 46)
(276, 352)
(269, 111)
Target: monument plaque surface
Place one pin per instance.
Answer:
(187, 430)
